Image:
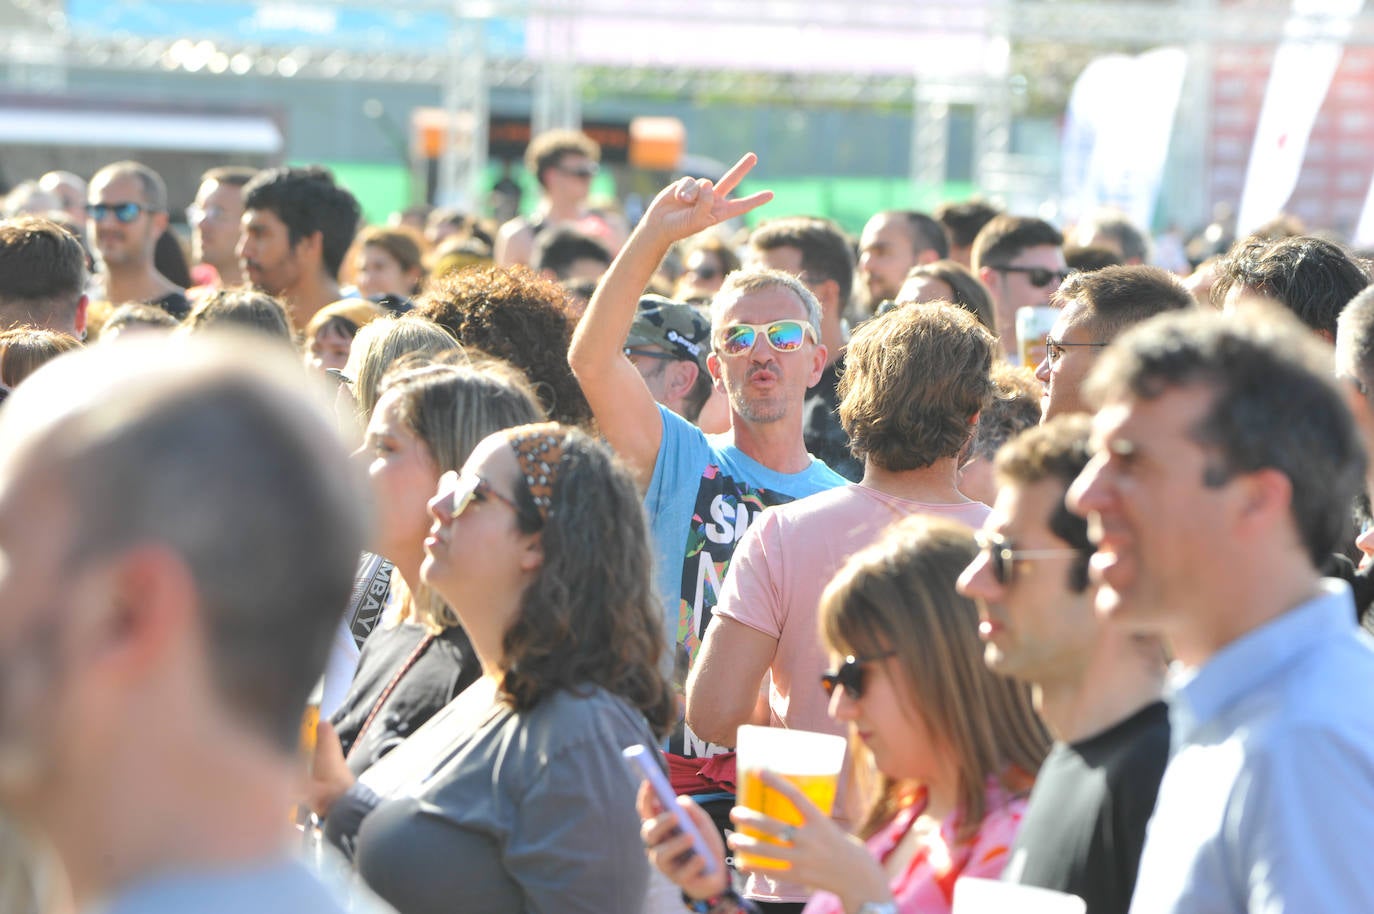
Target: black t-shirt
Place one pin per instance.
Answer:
(448, 666)
(1085, 824)
(821, 429)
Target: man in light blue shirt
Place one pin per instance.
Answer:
(178, 528)
(1225, 462)
(702, 492)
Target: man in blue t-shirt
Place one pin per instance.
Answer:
(702, 492)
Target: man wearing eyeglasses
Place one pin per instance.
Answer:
(126, 213)
(564, 162)
(1094, 308)
(215, 220)
(1021, 261)
(1224, 463)
(1097, 685)
(702, 493)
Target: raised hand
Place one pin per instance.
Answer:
(689, 205)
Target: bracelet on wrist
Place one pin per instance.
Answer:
(728, 900)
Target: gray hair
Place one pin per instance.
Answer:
(211, 448)
(746, 282)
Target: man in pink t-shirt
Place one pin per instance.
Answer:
(915, 381)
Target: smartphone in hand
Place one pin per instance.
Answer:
(643, 760)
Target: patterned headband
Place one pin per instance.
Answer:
(539, 451)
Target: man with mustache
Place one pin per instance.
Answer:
(702, 493)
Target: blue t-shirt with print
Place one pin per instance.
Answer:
(703, 495)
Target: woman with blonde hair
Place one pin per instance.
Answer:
(379, 345)
(954, 747)
(426, 422)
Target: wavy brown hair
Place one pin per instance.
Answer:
(913, 379)
(898, 595)
(591, 616)
(518, 316)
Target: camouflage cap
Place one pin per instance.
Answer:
(673, 327)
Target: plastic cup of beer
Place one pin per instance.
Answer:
(809, 761)
(1033, 324)
(310, 726)
(990, 896)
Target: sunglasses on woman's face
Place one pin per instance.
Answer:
(851, 675)
(457, 491)
(783, 336)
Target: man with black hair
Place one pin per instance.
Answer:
(1020, 261)
(817, 252)
(297, 226)
(1098, 686)
(565, 253)
(962, 222)
(891, 244)
(1224, 463)
(1095, 308)
(42, 276)
(1312, 277)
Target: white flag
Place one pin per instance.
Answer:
(1304, 65)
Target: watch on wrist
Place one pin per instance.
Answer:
(877, 907)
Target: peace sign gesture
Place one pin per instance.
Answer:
(689, 205)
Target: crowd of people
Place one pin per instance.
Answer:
(340, 563)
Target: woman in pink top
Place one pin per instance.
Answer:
(954, 747)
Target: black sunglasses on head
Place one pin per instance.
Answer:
(1037, 276)
(851, 675)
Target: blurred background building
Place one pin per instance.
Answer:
(1046, 106)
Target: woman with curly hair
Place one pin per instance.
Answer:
(515, 797)
(513, 314)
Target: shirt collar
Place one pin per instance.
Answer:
(1240, 668)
